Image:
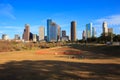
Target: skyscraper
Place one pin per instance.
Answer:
(110, 30)
(41, 34)
(59, 33)
(84, 35)
(63, 33)
(26, 34)
(64, 36)
(49, 22)
(93, 32)
(34, 37)
(17, 37)
(52, 31)
(73, 31)
(5, 37)
(105, 29)
(89, 30)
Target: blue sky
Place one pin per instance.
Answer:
(14, 14)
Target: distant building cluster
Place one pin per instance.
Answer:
(5, 37)
(64, 36)
(106, 30)
(55, 34)
(90, 31)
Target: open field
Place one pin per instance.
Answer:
(60, 63)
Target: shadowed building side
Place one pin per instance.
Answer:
(26, 34)
(73, 31)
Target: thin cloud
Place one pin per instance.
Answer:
(111, 20)
(64, 25)
(6, 10)
(1, 32)
(10, 27)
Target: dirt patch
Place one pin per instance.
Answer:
(60, 51)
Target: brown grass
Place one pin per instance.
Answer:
(30, 65)
(6, 46)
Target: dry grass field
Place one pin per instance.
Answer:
(59, 63)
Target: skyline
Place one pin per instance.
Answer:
(14, 14)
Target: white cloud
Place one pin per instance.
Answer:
(64, 25)
(6, 10)
(111, 20)
(1, 32)
(10, 27)
(13, 29)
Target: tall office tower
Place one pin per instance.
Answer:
(49, 22)
(93, 32)
(105, 29)
(73, 31)
(110, 30)
(89, 30)
(41, 34)
(52, 31)
(5, 37)
(64, 36)
(84, 35)
(31, 36)
(17, 37)
(34, 37)
(59, 33)
(63, 33)
(26, 34)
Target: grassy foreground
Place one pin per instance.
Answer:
(55, 64)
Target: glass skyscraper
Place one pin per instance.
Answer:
(89, 30)
(52, 31)
(49, 22)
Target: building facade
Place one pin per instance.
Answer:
(110, 30)
(41, 34)
(89, 30)
(59, 33)
(63, 33)
(84, 35)
(17, 37)
(105, 29)
(53, 31)
(73, 31)
(26, 34)
(49, 22)
(34, 37)
(5, 37)
(64, 36)
(93, 32)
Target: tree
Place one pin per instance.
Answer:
(116, 38)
